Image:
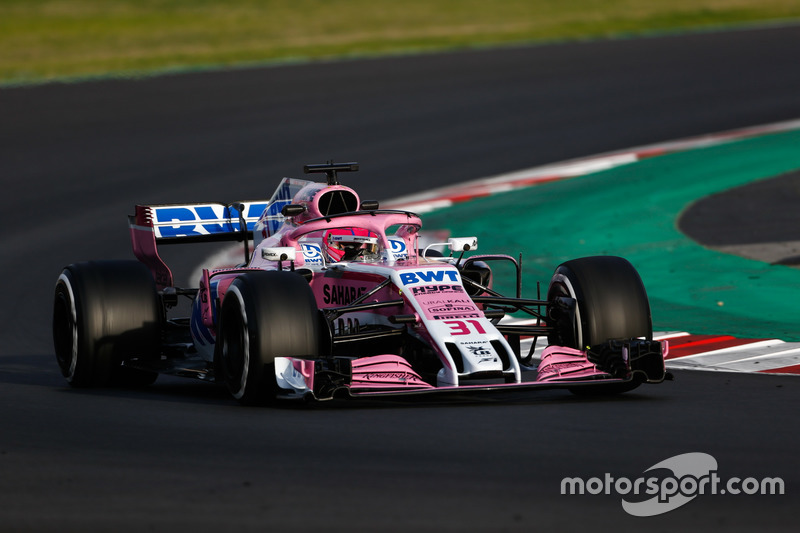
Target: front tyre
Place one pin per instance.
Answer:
(264, 315)
(105, 312)
(611, 302)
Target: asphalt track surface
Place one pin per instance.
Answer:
(74, 158)
(749, 218)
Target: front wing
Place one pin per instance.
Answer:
(608, 367)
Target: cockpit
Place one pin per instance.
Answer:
(352, 244)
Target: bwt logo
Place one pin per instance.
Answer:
(429, 276)
(312, 253)
(187, 220)
(399, 250)
(397, 246)
(691, 475)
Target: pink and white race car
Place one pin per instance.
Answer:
(335, 298)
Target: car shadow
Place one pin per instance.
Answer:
(42, 371)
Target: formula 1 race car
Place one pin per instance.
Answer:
(338, 299)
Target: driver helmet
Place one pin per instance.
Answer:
(351, 244)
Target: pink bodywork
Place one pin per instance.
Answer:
(385, 372)
(143, 239)
(560, 363)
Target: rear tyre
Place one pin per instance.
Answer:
(104, 313)
(264, 315)
(611, 304)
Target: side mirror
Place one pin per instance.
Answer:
(279, 253)
(457, 244)
(463, 244)
(292, 210)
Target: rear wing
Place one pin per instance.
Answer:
(211, 222)
(152, 225)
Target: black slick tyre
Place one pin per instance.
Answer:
(611, 304)
(105, 312)
(264, 315)
(611, 301)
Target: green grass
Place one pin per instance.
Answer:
(47, 39)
